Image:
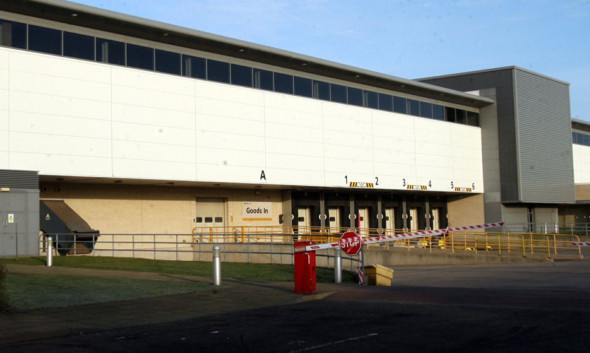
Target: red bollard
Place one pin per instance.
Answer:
(305, 270)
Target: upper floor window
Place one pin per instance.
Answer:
(263, 79)
(78, 46)
(140, 57)
(338, 93)
(44, 40)
(241, 75)
(194, 67)
(321, 90)
(167, 62)
(217, 71)
(438, 112)
(355, 96)
(386, 102)
(370, 99)
(110, 51)
(580, 138)
(400, 105)
(283, 83)
(13, 34)
(425, 110)
(413, 107)
(303, 87)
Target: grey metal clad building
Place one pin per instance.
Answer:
(19, 213)
(526, 138)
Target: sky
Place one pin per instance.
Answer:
(403, 38)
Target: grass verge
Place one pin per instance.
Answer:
(231, 270)
(27, 292)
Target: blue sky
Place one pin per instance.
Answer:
(404, 38)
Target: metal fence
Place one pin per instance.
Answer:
(274, 245)
(551, 245)
(580, 229)
(255, 247)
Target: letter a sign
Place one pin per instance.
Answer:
(350, 243)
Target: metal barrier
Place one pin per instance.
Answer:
(551, 245)
(275, 244)
(246, 248)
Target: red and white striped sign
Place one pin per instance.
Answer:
(582, 244)
(394, 237)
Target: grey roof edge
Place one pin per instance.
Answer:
(512, 67)
(583, 122)
(477, 100)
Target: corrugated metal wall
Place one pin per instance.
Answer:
(19, 213)
(19, 179)
(544, 139)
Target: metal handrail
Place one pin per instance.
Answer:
(195, 246)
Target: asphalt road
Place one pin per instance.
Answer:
(510, 308)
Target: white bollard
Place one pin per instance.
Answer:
(338, 266)
(49, 251)
(216, 266)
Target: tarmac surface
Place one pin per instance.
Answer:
(485, 308)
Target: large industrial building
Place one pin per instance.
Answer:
(144, 127)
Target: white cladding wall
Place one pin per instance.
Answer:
(69, 117)
(581, 164)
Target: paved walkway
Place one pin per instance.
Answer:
(232, 296)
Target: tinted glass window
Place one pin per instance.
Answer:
(413, 107)
(321, 90)
(283, 83)
(241, 75)
(140, 57)
(450, 114)
(44, 40)
(472, 119)
(400, 105)
(370, 99)
(337, 93)
(425, 110)
(385, 102)
(13, 34)
(438, 112)
(461, 116)
(167, 62)
(355, 96)
(110, 51)
(78, 46)
(217, 71)
(303, 86)
(193, 67)
(263, 79)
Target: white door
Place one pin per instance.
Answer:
(363, 221)
(413, 219)
(390, 220)
(303, 220)
(436, 218)
(334, 219)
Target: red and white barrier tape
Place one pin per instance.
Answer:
(582, 244)
(393, 237)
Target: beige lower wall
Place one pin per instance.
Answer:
(582, 192)
(466, 210)
(155, 209)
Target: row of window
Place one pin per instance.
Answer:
(580, 139)
(52, 41)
